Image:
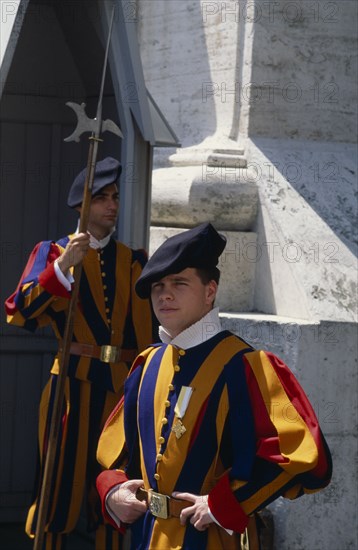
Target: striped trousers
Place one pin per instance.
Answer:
(85, 409)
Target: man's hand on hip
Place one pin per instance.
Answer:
(198, 514)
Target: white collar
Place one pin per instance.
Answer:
(196, 334)
(95, 243)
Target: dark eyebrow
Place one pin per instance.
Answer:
(172, 279)
(106, 194)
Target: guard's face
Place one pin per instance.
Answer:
(181, 299)
(104, 211)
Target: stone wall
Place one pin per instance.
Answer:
(301, 62)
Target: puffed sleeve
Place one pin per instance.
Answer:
(37, 289)
(282, 450)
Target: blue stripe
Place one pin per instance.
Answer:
(139, 256)
(131, 387)
(100, 374)
(263, 473)
(197, 464)
(39, 263)
(241, 418)
(35, 305)
(90, 311)
(194, 538)
(63, 242)
(31, 325)
(146, 414)
(141, 532)
(59, 318)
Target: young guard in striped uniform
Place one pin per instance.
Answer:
(203, 437)
(112, 324)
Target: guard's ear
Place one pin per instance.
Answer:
(211, 291)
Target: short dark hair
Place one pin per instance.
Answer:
(207, 274)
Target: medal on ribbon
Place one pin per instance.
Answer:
(179, 411)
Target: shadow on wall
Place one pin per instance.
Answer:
(324, 174)
(183, 67)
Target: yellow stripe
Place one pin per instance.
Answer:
(112, 440)
(119, 371)
(101, 536)
(237, 484)
(167, 533)
(161, 392)
(141, 313)
(293, 492)
(295, 439)
(16, 319)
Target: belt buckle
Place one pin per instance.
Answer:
(109, 354)
(159, 505)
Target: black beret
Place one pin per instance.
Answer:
(107, 171)
(199, 247)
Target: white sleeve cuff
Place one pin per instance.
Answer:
(229, 531)
(65, 280)
(115, 518)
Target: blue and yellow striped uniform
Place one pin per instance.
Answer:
(251, 436)
(108, 313)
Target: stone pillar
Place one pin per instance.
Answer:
(195, 53)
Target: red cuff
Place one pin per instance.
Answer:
(225, 508)
(105, 481)
(48, 280)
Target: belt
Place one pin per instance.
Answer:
(107, 354)
(162, 506)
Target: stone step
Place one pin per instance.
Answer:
(284, 336)
(226, 159)
(184, 196)
(219, 157)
